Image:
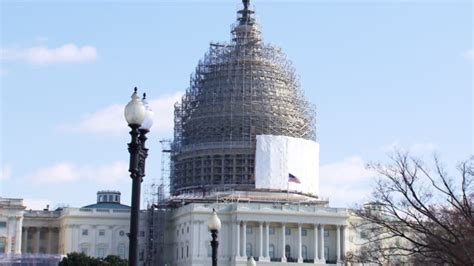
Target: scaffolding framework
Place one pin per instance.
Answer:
(239, 90)
(158, 209)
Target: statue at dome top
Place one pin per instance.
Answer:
(246, 4)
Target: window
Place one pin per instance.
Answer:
(249, 230)
(3, 224)
(121, 251)
(177, 252)
(326, 252)
(271, 251)
(116, 198)
(142, 234)
(141, 255)
(248, 250)
(187, 229)
(121, 233)
(304, 232)
(182, 231)
(177, 232)
(287, 251)
(271, 230)
(363, 235)
(326, 233)
(287, 231)
(85, 232)
(304, 252)
(209, 249)
(84, 250)
(101, 232)
(182, 252)
(100, 252)
(187, 251)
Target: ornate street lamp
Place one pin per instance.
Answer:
(214, 225)
(251, 262)
(144, 129)
(138, 119)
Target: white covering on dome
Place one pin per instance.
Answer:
(279, 156)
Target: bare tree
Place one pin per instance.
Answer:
(419, 214)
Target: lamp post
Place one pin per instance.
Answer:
(251, 262)
(144, 129)
(137, 117)
(214, 225)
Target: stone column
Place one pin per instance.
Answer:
(78, 238)
(343, 242)
(94, 240)
(112, 249)
(37, 242)
(24, 242)
(260, 257)
(18, 240)
(67, 240)
(321, 241)
(267, 241)
(50, 242)
(338, 243)
(300, 257)
(8, 246)
(237, 239)
(76, 234)
(283, 244)
(315, 240)
(244, 239)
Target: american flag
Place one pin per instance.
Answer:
(294, 179)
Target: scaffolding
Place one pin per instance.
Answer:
(239, 90)
(157, 210)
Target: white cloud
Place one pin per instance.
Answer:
(110, 120)
(36, 204)
(346, 182)
(469, 54)
(61, 172)
(163, 107)
(112, 173)
(6, 172)
(40, 55)
(348, 170)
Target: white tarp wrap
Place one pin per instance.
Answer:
(279, 156)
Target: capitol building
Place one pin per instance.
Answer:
(97, 230)
(245, 144)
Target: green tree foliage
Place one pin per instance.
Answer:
(81, 259)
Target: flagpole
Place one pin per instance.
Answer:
(288, 191)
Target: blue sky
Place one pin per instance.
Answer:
(382, 74)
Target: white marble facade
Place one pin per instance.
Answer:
(11, 220)
(95, 230)
(275, 234)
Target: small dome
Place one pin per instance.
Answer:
(108, 199)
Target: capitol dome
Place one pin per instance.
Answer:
(239, 90)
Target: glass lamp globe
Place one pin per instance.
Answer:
(251, 262)
(214, 223)
(135, 110)
(148, 120)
